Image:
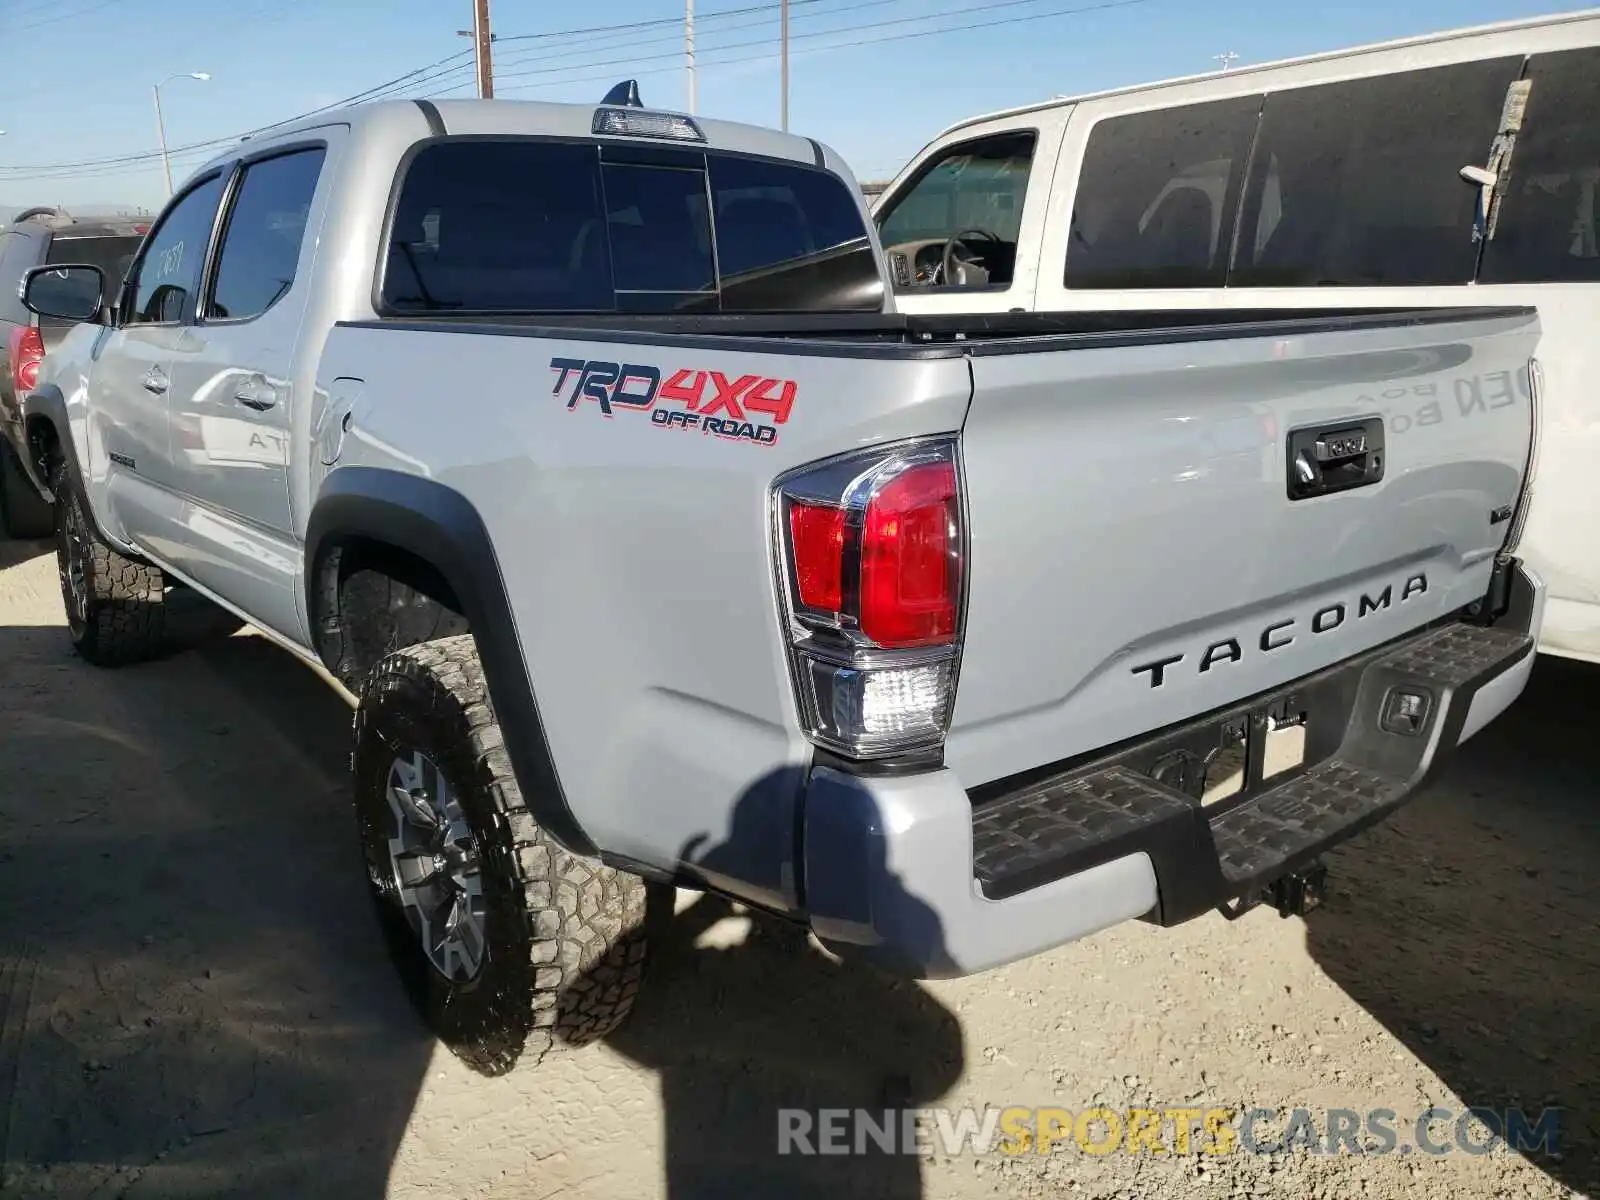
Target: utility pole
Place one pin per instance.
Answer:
(784, 39)
(1227, 58)
(688, 47)
(482, 40)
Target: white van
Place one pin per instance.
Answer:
(1332, 181)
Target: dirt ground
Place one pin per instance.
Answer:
(195, 1001)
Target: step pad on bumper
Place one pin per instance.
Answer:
(1015, 840)
(1254, 840)
(1357, 772)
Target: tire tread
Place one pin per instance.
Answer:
(581, 922)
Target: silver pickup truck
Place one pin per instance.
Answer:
(583, 446)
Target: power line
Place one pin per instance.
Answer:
(376, 92)
(976, 8)
(441, 70)
(674, 38)
(412, 80)
(66, 16)
(388, 89)
(895, 37)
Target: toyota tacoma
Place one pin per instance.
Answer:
(583, 446)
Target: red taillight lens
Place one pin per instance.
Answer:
(873, 551)
(910, 568)
(816, 532)
(27, 352)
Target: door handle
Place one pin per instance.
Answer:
(255, 392)
(155, 380)
(1324, 459)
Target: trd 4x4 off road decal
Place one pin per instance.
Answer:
(745, 408)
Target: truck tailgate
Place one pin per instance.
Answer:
(1137, 557)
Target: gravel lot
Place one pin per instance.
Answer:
(194, 998)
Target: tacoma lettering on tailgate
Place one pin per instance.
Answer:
(712, 403)
(1282, 632)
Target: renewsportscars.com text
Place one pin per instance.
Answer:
(1177, 1130)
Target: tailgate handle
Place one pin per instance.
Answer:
(1324, 459)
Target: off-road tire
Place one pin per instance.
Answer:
(564, 934)
(23, 512)
(120, 616)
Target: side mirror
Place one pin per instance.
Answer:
(71, 292)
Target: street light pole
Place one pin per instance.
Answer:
(161, 126)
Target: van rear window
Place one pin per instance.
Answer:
(521, 225)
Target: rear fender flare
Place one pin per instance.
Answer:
(48, 407)
(441, 527)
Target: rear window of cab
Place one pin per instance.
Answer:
(538, 226)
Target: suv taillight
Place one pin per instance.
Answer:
(27, 352)
(873, 559)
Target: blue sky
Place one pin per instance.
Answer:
(76, 85)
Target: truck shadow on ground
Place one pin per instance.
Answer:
(14, 551)
(1469, 924)
(740, 1030)
(196, 1000)
(194, 995)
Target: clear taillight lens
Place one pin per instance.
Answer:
(873, 560)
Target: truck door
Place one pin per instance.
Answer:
(130, 385)
(232, 382)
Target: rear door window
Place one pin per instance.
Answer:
(524, 225)
(260, 248)
(1157, 197)
(1357, 183)
(1546, 228)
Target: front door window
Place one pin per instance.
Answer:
(958, 224)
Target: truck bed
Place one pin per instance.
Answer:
(1137, 553)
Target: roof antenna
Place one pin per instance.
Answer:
(625, 94)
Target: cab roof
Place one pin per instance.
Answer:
(415, 119)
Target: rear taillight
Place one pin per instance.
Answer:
(873, 558)
(27, 352)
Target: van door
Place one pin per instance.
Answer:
(1544, 249)
(962, 225)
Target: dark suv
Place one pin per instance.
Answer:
(39, 237)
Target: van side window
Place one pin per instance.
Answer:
(1157, 196)
(1357, 182)
(1546, 227)
(973, 192)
